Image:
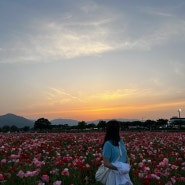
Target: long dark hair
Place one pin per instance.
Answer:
(112, 132)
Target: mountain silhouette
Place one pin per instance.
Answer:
(60, 121)
(18, 121)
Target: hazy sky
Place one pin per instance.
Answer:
(92, 59)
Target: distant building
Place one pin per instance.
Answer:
(176, 122)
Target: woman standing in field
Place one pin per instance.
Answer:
(115, 156)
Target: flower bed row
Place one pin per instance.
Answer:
(73, 158)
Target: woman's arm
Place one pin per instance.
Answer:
(127, 158)
(108, 164)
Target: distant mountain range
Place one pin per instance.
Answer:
(20, 122)
(70, 122)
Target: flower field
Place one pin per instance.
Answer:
(73, 158)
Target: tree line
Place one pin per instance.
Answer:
(44, 125)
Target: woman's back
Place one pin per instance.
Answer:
(114, 153)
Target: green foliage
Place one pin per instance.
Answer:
(102, 124)
(42, 124)
(82, 125)
(6, 128)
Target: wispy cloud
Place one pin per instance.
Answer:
(58, 96)
(55, 40)
(114, 95)
(165, 28)
(89, 29)
(157, 11)
(94, 32)
(178, 68)
(81, 31)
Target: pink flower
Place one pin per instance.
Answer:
(38, 163)
(14, 156)
(182, 179)
(57, 183)
(165, 174)
(65, 172)
(146, 169)
(174, 167)
(164, 162)
(173, 180)
(41, 183)
(141, 175)
(140, 164)
(36, 172)
(45, 178)
(21, 174)
(1, 177)
(3, 161)
(87, 165)
(38, 155)
(30, 173)
(55, 171)
(154, 176)
(169, 183)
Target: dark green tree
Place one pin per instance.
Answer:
(161, 123)
(13, 128)
(5, 128)
(26, 128)
(42, 124)
(149, 124)
(124, 125)
(82, 125)
(91, 125)
(102, 124)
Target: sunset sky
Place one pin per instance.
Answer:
(92, 59)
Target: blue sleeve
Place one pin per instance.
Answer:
(107, 150)
(122, 143)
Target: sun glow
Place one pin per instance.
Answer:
(127, 103)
